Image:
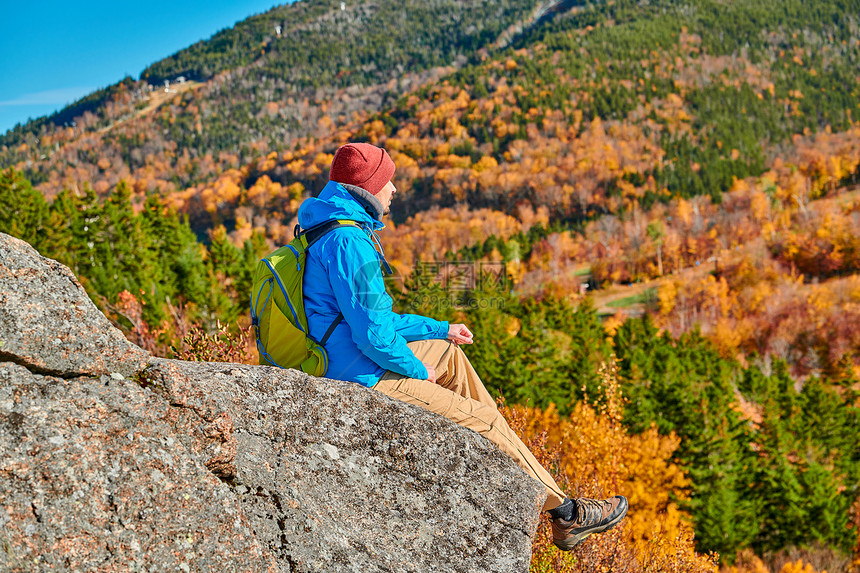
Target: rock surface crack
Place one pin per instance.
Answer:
(6, 357)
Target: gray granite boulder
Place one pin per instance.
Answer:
(336, 477)
(49, 324)
(111, 460)
(93, 479)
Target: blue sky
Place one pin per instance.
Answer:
(52, 53)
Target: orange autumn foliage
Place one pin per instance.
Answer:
(593, 456)
(815, 559)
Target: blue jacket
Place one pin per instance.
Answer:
(343, 274)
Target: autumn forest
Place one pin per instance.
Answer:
(648, 212)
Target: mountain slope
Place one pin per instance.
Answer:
(695, 164)
(321, 45)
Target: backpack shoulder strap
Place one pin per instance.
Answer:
(314, 234)
(337, 320)
(310, 237)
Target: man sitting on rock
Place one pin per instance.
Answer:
(409, 357)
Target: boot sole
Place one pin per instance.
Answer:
(574, 540)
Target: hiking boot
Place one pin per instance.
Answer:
(589, 516)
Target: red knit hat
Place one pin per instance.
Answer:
(363, 165)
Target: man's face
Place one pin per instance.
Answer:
(385, 195)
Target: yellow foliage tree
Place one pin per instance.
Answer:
(594, 456)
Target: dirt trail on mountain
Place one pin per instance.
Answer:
(155, 100)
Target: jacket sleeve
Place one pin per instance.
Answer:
(356, 279)
(416, 327)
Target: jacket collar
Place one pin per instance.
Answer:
(371, 204)
(337, 201)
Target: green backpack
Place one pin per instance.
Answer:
(278, 310)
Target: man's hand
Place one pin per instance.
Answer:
(459, 334)
(431, 372)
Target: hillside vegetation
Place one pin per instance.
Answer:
(666, 192)
(264, 88)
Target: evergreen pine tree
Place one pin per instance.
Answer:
(23, 211)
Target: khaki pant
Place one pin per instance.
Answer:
(459, 395)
